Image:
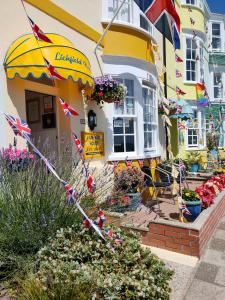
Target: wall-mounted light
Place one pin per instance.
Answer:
(92, 120)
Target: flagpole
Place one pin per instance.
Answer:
(105, 32)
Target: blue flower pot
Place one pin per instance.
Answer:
(195, 208)
(194, 168)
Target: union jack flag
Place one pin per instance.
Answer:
(141, 162)
(128, 163)
(164, 16)
(77, 143)
(68, 110)
(38, 33)
(100, 219)
(71, 194)
(19, 126)
(178, 59)
(90, 183)
(179, 91)
(54, 74)
(178, 74)
(115, 164)
(192, 21)
(184, 209)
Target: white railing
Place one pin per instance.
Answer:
(130, 14)
(197, 3)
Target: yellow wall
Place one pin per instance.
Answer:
(123, 41)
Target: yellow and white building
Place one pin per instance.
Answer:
(130, 130)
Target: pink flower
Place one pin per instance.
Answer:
(31, 156)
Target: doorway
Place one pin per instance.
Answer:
(41, 117)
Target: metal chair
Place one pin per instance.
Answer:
(164, 182)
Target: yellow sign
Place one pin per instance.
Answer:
(93, 144)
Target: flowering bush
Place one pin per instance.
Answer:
(108, 90)
(205, 194)
(77, 264)
(189, 195)
(128, 180)
(16, 159)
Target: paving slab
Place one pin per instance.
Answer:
(219, 234)
(220, 277)
(207, 272)
(217, 244)
(214, 256)
(201, 290)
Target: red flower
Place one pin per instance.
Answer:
(100, 94)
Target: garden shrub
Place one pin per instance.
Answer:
(77, 264)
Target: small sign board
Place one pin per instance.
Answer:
(93, 144)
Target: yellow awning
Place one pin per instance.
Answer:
(24, 58)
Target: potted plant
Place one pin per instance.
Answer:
(108, 90)
(193, 203)
(193, 160)
(128, 183)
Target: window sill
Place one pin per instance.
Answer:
(189, 82)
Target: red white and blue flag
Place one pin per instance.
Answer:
(52, 71)
(71, 194)
(179, 91)
(163, 14)
(68, 110)
(178, 58)
(38, 33)
(19, 126)
(178, 74)
(185, 210)
(77, 143)
(90, 183)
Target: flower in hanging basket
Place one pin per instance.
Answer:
(108, 90)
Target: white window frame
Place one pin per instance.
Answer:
(191, 60)
(201, 131)
(128, 5)
(153, 123)
(217, 37)
(199, 64)
(125, 115)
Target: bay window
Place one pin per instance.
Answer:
(124, 134)
(149, 118)
(196, 131)
(191, 64)
(216, 37)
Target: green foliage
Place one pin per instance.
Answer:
(194, 157)
(189, 195)
(78, 265)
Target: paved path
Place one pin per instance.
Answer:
(209, 279)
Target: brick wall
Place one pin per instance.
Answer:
(183, 240)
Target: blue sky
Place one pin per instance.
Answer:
(217, 6)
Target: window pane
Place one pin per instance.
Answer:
(216, 43)
(118, 143)
(216, 29)
(130, 87)
(118, 126)
(129, 125)
(129, 106)
(129, 143)
(119, 108)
